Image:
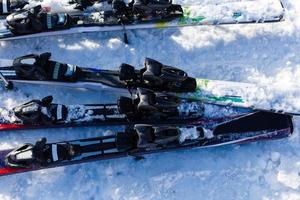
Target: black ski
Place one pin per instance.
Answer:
(144, 139)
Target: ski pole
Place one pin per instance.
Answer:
(124, 33)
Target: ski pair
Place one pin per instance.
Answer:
(142, 139)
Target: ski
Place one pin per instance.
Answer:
(36, 22)
(138, 140)
(40, 69)
(144, 106)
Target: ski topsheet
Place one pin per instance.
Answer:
(261, 11)
(144, 139)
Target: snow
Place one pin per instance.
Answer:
(259, 53)
(188, 134)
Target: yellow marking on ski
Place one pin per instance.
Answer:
(161, 25)
(202, 83)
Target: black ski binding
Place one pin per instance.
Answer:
(157, 76)
(41, 112)
(34, 20)
(161, 9)
(41, 154)
(40, 67)
(137, 138)
(148, 105)
(154, 75)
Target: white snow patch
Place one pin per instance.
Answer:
(187, 108)
(114, 44)
(289, 179)
(275, 156)
(7, 197)
(71, 47)
(188, 134)
(91, 45)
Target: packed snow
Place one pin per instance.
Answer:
(264, 54)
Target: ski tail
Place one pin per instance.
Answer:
(255, 122)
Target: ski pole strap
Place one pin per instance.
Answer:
(4, 6)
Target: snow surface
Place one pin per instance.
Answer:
(262, 53)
